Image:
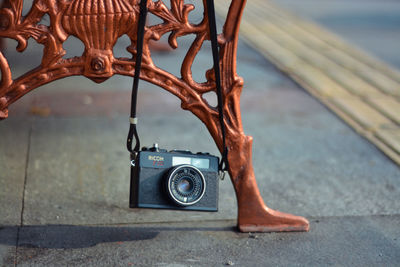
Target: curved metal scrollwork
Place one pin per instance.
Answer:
(98, 24)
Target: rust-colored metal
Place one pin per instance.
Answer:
(98, 24)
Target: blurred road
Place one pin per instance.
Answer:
(373, 25)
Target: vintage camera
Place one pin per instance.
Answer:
(174, 180)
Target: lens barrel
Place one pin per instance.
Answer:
(185, 185)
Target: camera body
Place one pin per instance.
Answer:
(176, 179)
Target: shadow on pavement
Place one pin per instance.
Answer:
(72, 236)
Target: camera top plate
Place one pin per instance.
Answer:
(163, 160)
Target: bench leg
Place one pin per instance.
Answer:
(253, 214)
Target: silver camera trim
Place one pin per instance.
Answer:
(169, 187)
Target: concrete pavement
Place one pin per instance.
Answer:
(64, 179)
(349, 241)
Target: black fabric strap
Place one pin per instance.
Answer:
(214, 45)
(139, 51)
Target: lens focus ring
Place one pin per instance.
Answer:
(185, 185)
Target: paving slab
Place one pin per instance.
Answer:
(8, 242)
(343, 241)
(14, 143)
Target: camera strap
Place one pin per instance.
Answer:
(223, 165)
(215, 51)
(139, 51)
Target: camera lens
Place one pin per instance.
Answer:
(185, 185)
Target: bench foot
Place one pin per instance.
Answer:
(255, 216)
(268, 220)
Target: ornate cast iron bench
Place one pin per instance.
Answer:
(98, 24)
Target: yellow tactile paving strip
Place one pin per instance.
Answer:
(360, 89)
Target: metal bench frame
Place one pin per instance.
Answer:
(99, 26)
